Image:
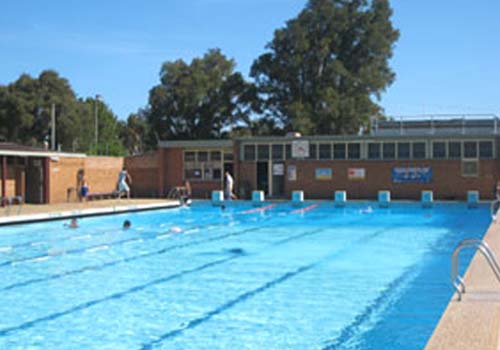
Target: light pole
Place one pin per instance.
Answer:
(96, 122)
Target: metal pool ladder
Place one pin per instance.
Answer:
(493, 212)
(477, 244)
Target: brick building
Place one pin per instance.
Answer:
(40, 176)
(448, 157)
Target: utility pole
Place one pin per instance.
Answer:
(96, 121)
(53, 127)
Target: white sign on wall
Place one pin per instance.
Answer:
(300, 149)
(292, 173)
(279, 169)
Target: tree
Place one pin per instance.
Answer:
(326, 66)
(200, 100)
(109, 141)
(135, 133)
(25, 116)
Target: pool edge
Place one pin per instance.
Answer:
(473, 323)
(80, 213)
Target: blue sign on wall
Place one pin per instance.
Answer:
(420, 175)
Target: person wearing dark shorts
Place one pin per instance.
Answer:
(84, 190)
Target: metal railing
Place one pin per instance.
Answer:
(8, 201)
(477, 244)
(437, 124)
(495, 205)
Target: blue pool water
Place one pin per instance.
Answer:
(205, 278)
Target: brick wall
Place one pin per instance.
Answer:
(246, 180)
(101, 174)
(447, 181)
(172, 168)
(63, 174)
(144, 172)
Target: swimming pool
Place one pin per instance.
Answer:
(274, 277)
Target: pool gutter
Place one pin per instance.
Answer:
(80, 213)
(474, 322)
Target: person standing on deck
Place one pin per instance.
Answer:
(228, 191)
(123, 177)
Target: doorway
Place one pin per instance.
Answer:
(263, 177)
(278, 185)
(34, 181)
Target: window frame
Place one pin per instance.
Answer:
(329, 147)
(344, 144)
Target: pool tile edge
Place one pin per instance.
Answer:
(474, 322)
(68, 214)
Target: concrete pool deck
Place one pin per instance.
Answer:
(474, 322)
(45, 212)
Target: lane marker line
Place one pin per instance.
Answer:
(304, 210)
(258, 210)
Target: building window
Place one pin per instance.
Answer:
(217, 174)
(439, 150)
(202, 165)
(210, 174)
(288, 151)
(389, 150)
(374, 151)
(470, 149)
(215, 155)
(418, 150)
(277, 152)
(403, 150)
(485, 149)
(339, 151)
(313, 151)
(228, 156)
(325, 151)
(193, 174)
(263, 152)
(354, 150)
(249, 152)
(454, 150)
(189, 156)
(202, 156)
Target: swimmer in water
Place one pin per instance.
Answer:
(175, 229)
(73, 223)
(126, 224)
(222, 207)
(367, 210)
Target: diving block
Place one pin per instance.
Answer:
(472, 199)
(427, 198)
(257, 197)
(217, 197)
(297, 197)
(340, 198)
(384, 198)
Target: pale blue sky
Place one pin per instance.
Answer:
(446, 60)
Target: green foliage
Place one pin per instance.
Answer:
(322, 74)
(200, 100)
(25, 109)
(109, 141)
(136, 134)
(324, 69)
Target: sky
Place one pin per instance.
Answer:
(447, 59)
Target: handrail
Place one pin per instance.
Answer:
(8, 201)
(493, 212)
(456, 279)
